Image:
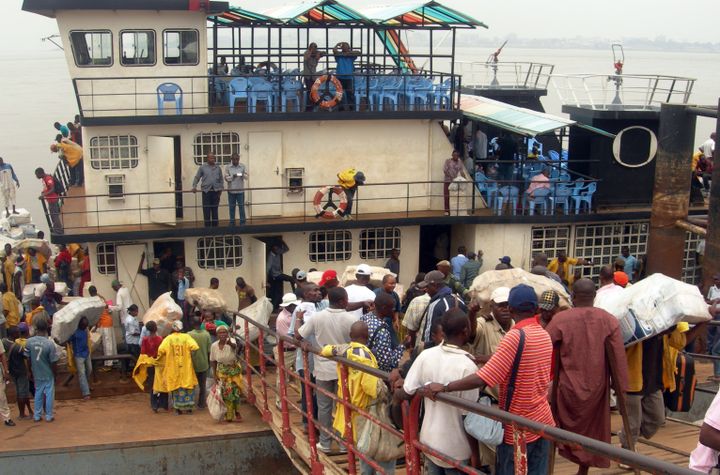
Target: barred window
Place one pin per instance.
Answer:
(222, 144)
(106, 258)
(113, 152)
(376, 243)
(601, 242)
(691, 269)
(549, 240)
(330, 246)
(219, 252)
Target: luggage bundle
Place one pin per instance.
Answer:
(163, 312)
(206, 299)
(259, 312)
(65, 320)
(484, 285)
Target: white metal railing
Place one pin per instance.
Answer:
(504, 75)
(607, 92)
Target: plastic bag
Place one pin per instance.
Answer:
(373, 440)
(215, 404)
(259, 312)
(163, 312)
(206, 299)
(486, 430)
(65, 320)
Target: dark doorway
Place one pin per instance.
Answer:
(168, 253)
(434, 245)
(178, 178)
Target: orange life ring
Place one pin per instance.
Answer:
(315, 91)
(326, 207)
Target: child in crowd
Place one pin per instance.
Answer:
(149, 346)
(43, 361)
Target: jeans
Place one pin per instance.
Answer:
(84, 370)
(236, 199)
(538, 453)
(350, 193)
(303, 397)
(348, 98)
(210, 202)
(326, 406)
(431, 468)
(44, 389)
(157, 400)
(388, 467)
(77, 174)
(202, 393)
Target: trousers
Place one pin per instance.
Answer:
(84, 370)
(646, 414)
(236, 200)
(326, 408)
(44, 398)
(538, 453)
(210, 202)
(202, 393)
(108, 342)
(4, 408)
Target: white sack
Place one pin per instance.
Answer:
(65, 320)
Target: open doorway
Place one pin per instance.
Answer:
(434, 245)
(168, 252)
(177, 168)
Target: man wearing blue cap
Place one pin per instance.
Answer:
(524, 357)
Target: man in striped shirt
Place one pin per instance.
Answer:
(530, 396)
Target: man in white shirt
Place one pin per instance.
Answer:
(713, 295)
(359, 294)
(442, 427)
(608, 287)
(123, 301)
(329, 327)
(708, 146)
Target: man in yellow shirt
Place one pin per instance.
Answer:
(175, 373)
(72, 153)
(10, 306)
(561, 266)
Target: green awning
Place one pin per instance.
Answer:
(508, 117)
(419, 15)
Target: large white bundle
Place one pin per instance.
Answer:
(653, 305)
(259, 312)
(65, 320)
(206, 299)
(484, 284)
(22, 217)
(163, 312)
(348, 277)
(315, 276)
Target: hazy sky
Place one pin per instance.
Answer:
(612, 19)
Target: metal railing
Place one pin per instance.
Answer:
(259, 392)
(268, 92)
(312, 203)
(607, 92)
(504, 75)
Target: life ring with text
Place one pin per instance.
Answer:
(327, 102)
(324, 204)
(652, 149)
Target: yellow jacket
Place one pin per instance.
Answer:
(140, 371)
(175, 363)
(9, 269)
(346, 178)
(42, 264)
(11, 304)
(672, 345)
(72, 152)
(362, 386)
(555, 264)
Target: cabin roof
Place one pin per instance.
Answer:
(49, 7)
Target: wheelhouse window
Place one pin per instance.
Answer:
(222, 144)
(113, 152)
(92, 48)
(219, 252)
(137, 48)
(330, 246)
(180, 47)
(106, 259)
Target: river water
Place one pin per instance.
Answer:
(37, 91)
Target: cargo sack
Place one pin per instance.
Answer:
(206, 299)
(373, 440)
(163, 312)
(681, 399)
(65, 321)
(215, 404)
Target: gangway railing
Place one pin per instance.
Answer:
(260, 392)
(504, 75)
(613, 91)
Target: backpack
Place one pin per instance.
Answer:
(58, 186)
(681, 399)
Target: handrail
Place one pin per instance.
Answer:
(413, 447)
(505, 74)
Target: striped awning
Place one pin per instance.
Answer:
(320, 12)
(240, 16)
(419, 15)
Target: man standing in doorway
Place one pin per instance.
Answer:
(275, 275)
(158, 278)
(51, 199)
(8, 183)
(452, 169)
(631, 263)
(235, 176)
(212, 185)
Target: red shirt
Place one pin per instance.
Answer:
(150, 345)
(49, 189)
(530, 399)
(63, 257)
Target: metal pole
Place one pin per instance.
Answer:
(671, 194)
(711, 260)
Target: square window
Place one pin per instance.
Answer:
(106, 258)
(92, 48)
(608, 239)
(180, 47)
(137, 48)
(376, 243)
(219, 252)
(549, 240)
(330, 246)
(113, 152)
(222, 144)
(294, 177)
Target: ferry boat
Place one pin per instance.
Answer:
(162, 83)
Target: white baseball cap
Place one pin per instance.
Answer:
(363, 269)
(500, 295)
(289, 299)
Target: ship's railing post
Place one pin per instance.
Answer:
(316, 467)
(248, 366)
(410, 415)
(288, 439)
(267, 417)
(348, 429)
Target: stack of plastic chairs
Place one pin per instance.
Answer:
(488, 188)
(584, 194)
(291, 92)
(362, 91)
(261, 89)
(391, 88)
(237, 89)
(169, 92)
(506, 193)
(561, 194)
(441, 95)
(418, 90)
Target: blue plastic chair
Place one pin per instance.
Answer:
(540, 198)
(507, 193)
(441, 95)
(260, 89)
(291, 92)
(169, 92)
(584, 195)
(363, 92)
(561, 195)
(488, 188)
(220, 88)
(391, 88)
(237, 89)
(418, 90)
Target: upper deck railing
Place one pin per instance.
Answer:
(261, 388)
(374, 90)
(626, 91)
(504, 75)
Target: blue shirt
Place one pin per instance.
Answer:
(182, 286)
(41, 352)
(7, 166)
(79, 341)
(457, 262)
(630, 266)
(397, 307)
(345, 66)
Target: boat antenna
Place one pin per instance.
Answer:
(493, 62)
(618, 63)
(51, 39)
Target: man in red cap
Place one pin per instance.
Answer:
(329, 279)
(620, 278)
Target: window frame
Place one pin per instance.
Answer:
(91, 65)
(154, 43)
(96, 162)
(180, 30)
(203, 260)
(102, 266)
(379, 253)
(334, 255)
(221, 158)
